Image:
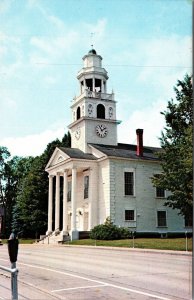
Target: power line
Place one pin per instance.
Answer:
(125, 65)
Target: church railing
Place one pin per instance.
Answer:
(97, 95)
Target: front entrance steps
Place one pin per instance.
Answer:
(56, 237)
(60, 237)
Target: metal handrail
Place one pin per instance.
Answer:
(53, 233)
(14, 283)
(45, 236)
(9, 269)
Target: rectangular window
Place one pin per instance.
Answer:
(129, 183)
(86, 186)
(129, 215)
(160, 193)
(161, 217)
(69, 191)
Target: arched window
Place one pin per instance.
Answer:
(100, 111)
(78, 113)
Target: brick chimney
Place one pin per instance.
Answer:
(139, 151)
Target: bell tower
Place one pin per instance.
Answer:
(94, 110)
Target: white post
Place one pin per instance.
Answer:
(57, 202)
(102, 86)
(73, 200)
(65, 215)
(85, 87)
(93, 84)
(50, 204)
(93, 194)
(90, 206)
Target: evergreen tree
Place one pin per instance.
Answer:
(11, 172)
(66, 140)
(30, 212)
(176, 154)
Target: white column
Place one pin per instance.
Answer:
(73, 200)
(57, 202)
(93, 84)
(65, 215)
(93, 196)
(102, 86)
(85, 84)
(105, 87)
(50, 204)
(90, 204)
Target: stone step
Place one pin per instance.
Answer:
(54, 239)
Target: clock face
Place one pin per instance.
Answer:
(77, 133)
(110, 112)
(90, 109)
(101, 130)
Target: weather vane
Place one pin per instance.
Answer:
(91, 36)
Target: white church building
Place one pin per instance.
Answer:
(98, 177)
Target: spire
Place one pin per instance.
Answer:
(92, 51)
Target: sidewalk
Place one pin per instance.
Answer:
(25, 291)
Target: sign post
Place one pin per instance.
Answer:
(13, 252)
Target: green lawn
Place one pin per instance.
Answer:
(144, 243)
(21, 241)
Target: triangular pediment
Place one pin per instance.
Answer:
(57, 157)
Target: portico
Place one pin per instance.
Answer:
(71, 202)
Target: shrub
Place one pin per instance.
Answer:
(109, 231)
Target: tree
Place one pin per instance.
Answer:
(176, 154)
(11, 172)
(66, 140)
(4, 157)
(31, 209)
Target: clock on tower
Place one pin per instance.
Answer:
(94, 110)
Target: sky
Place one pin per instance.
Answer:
(146, 47)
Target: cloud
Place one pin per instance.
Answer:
(32, 145)
(55, 45)
(167, 59)
(5, 5)
(50, 80)
(157, 61)
(149, 119)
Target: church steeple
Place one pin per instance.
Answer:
(94, 110)
(92, 76)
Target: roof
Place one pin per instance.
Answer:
(76, 153)
(92, 51)
(128, 151)
(120, 151)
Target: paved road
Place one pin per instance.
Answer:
(65, 272)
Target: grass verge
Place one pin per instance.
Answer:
(21, 241)
(178, 244)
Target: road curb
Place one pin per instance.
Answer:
(154, 251)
